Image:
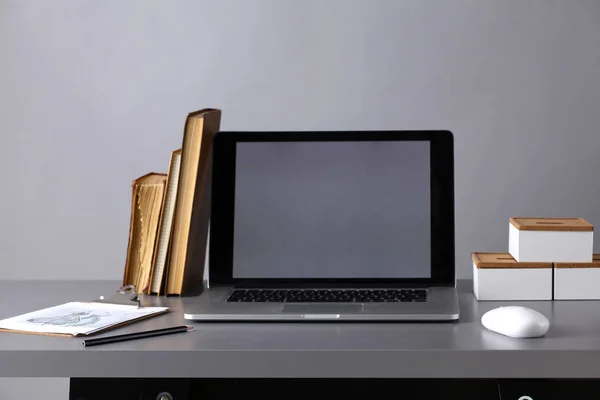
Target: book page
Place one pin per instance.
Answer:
(77, 318)
(150, 203)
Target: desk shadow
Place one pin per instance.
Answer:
(495, 341)
(468, 312)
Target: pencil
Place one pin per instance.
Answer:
(136, 335)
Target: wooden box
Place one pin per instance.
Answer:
(551, 240)
(577, 281)
(498, 276)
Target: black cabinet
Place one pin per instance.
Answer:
(267, 389)
(549, 389)
(129, 389)
(347, 389)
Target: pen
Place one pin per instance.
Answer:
(136, 335)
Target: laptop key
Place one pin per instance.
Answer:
(327, 295)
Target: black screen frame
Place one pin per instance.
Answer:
(442, 207)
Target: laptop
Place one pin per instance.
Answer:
(331, 226)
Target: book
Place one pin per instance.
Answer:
(165, 227)
(192, 211)
(146, 205)
(78, 318)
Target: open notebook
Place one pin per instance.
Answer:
(78, 318)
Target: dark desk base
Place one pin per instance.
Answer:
(346, 389)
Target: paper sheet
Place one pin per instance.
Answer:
(77, 318)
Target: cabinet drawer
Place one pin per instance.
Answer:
(347, 389)
(129, 389)
(549, 389)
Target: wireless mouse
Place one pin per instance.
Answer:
(516, 322)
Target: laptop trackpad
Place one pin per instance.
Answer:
(323, 308)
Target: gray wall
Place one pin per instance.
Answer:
(94, 94)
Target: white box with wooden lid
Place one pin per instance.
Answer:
(577, 281)
(498, 276)
(551, 240)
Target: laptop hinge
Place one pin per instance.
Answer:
(332, 285)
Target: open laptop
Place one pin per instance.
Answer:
(331, 226)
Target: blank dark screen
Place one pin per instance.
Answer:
(332, 210)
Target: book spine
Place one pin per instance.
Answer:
(126, 270)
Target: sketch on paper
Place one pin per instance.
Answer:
(77, 318)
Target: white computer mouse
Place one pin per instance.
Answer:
(516, 322)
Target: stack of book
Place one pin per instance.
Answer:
(167, 247)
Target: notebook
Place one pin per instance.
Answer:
(78, 318)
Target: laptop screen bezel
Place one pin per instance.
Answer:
(221, 241)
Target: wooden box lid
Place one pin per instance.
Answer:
(503, 260)
(594, 264)
(551, 224)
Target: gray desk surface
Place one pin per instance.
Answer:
(453, 350)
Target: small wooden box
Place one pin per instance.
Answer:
(577, 281)
(551, 240)
(498, 276)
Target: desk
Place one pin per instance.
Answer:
(458, 350)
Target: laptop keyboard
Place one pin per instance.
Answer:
(327, 295)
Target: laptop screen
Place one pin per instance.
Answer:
(312, 210)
